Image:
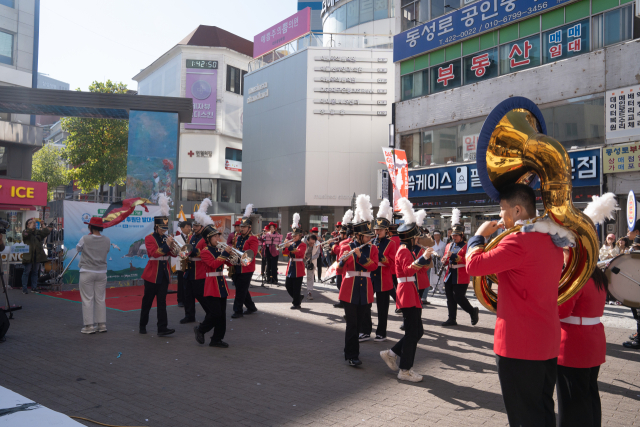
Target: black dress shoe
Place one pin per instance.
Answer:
(339, 305)
(354, 362)
(236, 315)
(187, 320)
(220, 344)
(633, 336)
(635, 344)
(199, 335)
(166, 332)
(398, 310)
(295, 307)
(250, 311)
(402, 326)
(475, 316)
(450, 322)
(143, 330)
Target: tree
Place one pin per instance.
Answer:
(47, 166)
(96, 149)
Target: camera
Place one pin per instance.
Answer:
(3, 226)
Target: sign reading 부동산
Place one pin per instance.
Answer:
(466, 22)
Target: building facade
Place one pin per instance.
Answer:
(572, 59)
(207, 66)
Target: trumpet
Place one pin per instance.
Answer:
(283, 244)
(180, 251)
(237, 257)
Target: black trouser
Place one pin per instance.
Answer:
(413, 331)
(272, 266)
(527, 390)
(243, 297)
(392, 292)
(578, 397)
(339, 281)
(194, 290)
(635, 316)
(366, 326)
(4, 323)
(151, 292)
(215, 318)
(319, 262)
(181, 286)
(294, 285)
(382, 304)
(457, 295)
(355, 315)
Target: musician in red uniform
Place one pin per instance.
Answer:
(295, 270)
(215, 291)
(456, 279)
(157, 273)
(242, 274)
(356, 292)
(408, 298)
(338, 248)
(583, 346)
(527, 332)
(393, 236)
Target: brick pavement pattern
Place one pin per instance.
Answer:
(283, 367)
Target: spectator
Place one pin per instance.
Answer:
(311, 254)
(32, 259)
(271, 241)
(438, 249)
(609, 249)
(623, 246)
(449, 238)
(318, 262)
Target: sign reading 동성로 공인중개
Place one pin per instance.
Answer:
(621, 158)
(283, 32)
(623, 112)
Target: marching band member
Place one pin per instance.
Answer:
(456, 279)
(242, 274)
(338, 248)
(182, 237)
(356, 292)
(393, 235)
(216, 290)
(195, 272)
(236, 231)
(271, 241)
(295, 270)
(382, 277)
(422, 275)
(157, 272)
(527, 331)
(263, 251)
(408, 298)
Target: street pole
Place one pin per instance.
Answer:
(392, 144)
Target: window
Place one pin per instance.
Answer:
(415, 84)
(617, 25)
(352, 13)
(8, 3)
(520, 55)
(6, 48)
(481, 66)
(446, 76)
(441, 7)
(580, 122)
(357, 12)
(410, 15)
(196, 189)
(341, 19)
(445, 145)
(235, 80)
(380, 9)
(233, 154)
(565, 42)
(229, 191)
(366, 11)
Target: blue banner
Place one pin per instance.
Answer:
(464, 23)
(464, 179)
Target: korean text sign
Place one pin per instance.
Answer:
(202, 88)
(14, 192)
(283, 32)
(468, 21)
(464, 179)
(623, 112)
(621, 158)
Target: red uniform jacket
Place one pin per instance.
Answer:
(340, 249)
(583, 346)
(423, 274)
(197, 269)
(458, 262)
(406, 267)
(244, 244)
(382, 277)
(358, 289)
(295, 251)
(159, 264)
(398, 242)
(529, 267)
(214, 261)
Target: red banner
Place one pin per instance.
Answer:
(399, 172)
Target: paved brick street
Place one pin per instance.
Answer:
(283, 367)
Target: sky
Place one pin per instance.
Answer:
(86, 40)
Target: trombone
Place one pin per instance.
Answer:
(237, 257)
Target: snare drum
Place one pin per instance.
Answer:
(623, 273)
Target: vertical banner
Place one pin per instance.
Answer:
(632, 210)
(127, 256)
(153, 152)
(399, 170)
(202, 88)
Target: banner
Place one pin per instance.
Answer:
(399, 170)
(621, 158)
(283, 32)
(202, 88)
(127, 256)
(623, 112)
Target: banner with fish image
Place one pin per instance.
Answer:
(152, 157)
(127, 256)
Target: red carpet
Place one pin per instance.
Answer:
(129, 298)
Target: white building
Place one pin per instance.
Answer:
(208, 66)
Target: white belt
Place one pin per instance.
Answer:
(586, 321)
(214, 274)
(458, 265)
(406, 279)
(297, 259)
(161, 258)
(357, 274)
(195, 259)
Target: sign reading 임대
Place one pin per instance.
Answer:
(623, 112)
(14, 192)
(468, 21)
(282, 33)
(621, 158)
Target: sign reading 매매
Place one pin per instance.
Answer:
(14, 192)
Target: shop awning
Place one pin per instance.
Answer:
(17, 208)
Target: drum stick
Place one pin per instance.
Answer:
(616, 270)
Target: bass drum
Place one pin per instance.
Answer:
(623, 273)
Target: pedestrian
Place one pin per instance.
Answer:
(94, 248)
(263, 253)
(437, 283)
(31, 260)
(271, 241)
(313, 251)
(182, 237)
(242, 274)
(318, 260)
(295, 250)
(609, 248)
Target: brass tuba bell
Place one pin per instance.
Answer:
(513, 148)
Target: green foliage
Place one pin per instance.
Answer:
(96, 149)
(48, 166)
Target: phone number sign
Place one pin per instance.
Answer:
(466, 22)
(464, 179)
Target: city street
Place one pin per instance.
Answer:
(283, 367)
